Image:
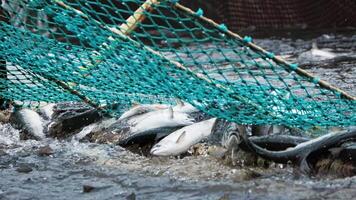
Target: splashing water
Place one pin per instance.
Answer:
(9, 135)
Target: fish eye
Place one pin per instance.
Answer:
(158, 145)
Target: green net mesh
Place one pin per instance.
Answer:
(73, 51)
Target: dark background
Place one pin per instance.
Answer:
(257, 15)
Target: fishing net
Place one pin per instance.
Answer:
(111, 54)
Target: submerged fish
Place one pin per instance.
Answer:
(159, 119)
(141, 109)
(315, 55)
(30, 123)
(323, 55)
(181, 140)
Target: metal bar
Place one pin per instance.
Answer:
(137, 17)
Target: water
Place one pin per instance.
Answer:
(116, 173)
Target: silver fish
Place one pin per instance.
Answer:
(158, 119)
(181, 140)
(141, 109)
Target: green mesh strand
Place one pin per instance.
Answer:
(44, 43)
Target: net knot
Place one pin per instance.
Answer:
(223, 27)
(247, 39)
(199, 12)
(316, 80)
(338, 94)
(270, 55)
(293, 66)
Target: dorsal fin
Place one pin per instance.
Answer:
(335, 152)
(270, 130)
(180, 138)
(314, 45)
(179, 102)
(171, 115)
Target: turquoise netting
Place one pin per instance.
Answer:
(55, 53)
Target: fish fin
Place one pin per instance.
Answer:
(314, 45)
(179, 102)
(180, 138)
(271, 130)
(335, 152)
(170, 109)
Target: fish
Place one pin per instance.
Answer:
(136, 133)
(275, 142)
(67, 123)
(262, 135)
(29, 122)
(158, 119)
(299, 154)
(150, 136)
(323, 54)
(141, 109)
(139, 129)
(315, 55)
(181, 140)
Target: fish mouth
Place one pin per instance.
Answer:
(152, 151)
(155, 149)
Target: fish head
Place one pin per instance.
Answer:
(161, 149)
